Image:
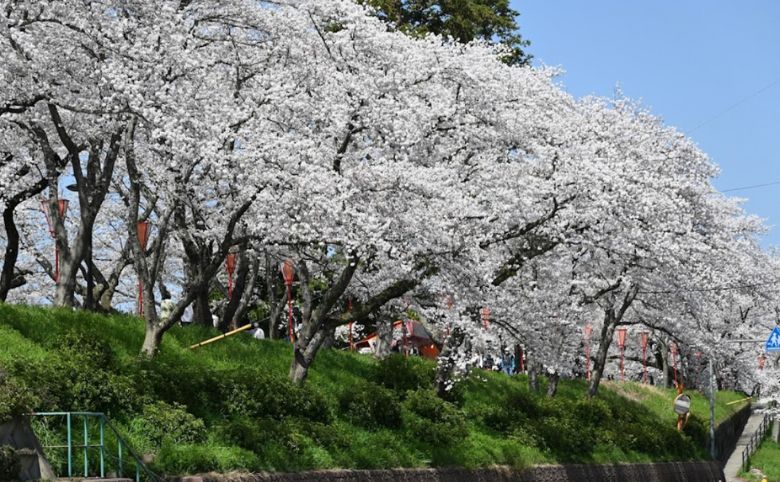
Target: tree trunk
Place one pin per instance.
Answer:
(664, 351)
(201, 312)
(519, 363)
(447, 362)
(249, 290)
(600, 362)
(66, 287)
(612, 317)
(305, 351)
(552, 384)
(276, 305)
(11, 252)
(533, 376)
(152, 340)
(384, 338)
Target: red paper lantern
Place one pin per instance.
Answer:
(644, 336)
(587, 332)
(62, 210)
(349, 310)
(142, 230)
(288, 272)
(673, 349)
(485, 315)
(230, 267)
(621, 332)
(230, 263)
(622, 345)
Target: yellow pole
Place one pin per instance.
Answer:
(224, 335)
(739, 401)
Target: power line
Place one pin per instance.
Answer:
(710, 288)
(754, 186)
(736, 104)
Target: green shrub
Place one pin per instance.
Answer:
(87, 348)
(499, 417)
(430, 419)
(522, 401)
(371, 405)
(332, 436)
(592, 412)
(401, 374)
(78, 380)
(257, 394)
(160, 422)
(565, 438)
(9, 464)
(15, 398)
(526, 435)
(179, 459)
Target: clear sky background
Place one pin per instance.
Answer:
(711, 68)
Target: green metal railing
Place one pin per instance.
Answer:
(102, 422)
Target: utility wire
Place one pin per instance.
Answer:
(754, 186)
(710, 288)
(735, 105)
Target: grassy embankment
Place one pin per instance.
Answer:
(228, 405)
(767, 460)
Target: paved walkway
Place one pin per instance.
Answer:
(734, 463)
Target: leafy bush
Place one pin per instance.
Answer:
(432, 420)
(87, 348)
(565, 438)
(592, 412)
(191, 458)
(370, 405)
(160, 422)
(522, 401)
(526, 435)
(257, 394)
(15, 398)
(78, 379)
(9, 464)
(401, 374)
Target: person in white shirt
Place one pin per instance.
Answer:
(186, 317)
(258, 333)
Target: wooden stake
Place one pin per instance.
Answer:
(224, 335)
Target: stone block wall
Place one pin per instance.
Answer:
(659, 472)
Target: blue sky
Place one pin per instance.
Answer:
(710, 68)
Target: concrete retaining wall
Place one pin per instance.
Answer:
(18, 434)
(728, 432)
(660, 472)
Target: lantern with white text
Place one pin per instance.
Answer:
(142, 231)
(587, 332)
(288, 273)
(621, 332)
(484, 314)
(230, 267)
(62, 210)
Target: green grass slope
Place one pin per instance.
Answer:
(228, 406)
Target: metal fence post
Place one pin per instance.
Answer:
(119, 453)
(86, 446)
(70, 446)
(102, 446)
